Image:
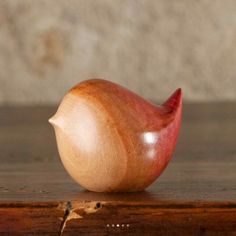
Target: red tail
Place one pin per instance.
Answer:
(175, 100)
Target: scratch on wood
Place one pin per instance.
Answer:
(72, 209)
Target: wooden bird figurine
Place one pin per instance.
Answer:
(112, 140)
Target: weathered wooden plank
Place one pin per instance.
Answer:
(118, 217)
(196, 195)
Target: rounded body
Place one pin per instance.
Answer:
(110, 139)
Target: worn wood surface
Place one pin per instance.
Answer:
(196, 195)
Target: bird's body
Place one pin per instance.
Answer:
(111, 139)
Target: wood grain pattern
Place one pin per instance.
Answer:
(196, 195)
(112, 140)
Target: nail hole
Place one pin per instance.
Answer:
(98, 205)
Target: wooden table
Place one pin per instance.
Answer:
(196, 195)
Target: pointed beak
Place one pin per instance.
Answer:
(55, 121)
(51, 121)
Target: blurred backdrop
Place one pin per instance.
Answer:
(151, 47)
